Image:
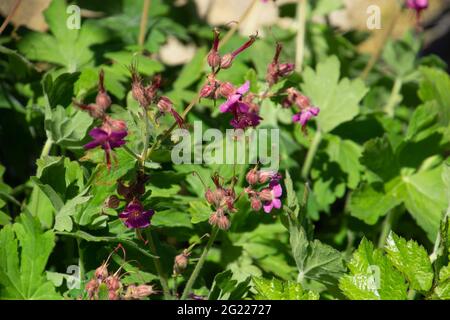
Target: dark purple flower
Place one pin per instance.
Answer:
(305, 115)
(110, 136)
(245, 120)
(134, 215)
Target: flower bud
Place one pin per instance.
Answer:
(103, 100)
(302, 101)
(113, 283)
(227, 61)
(285, 68)
(101, 273)
(181, 262)
(112, 202)
(213, 59)
(266, 195)
(223, 222)
(92, 288)
(207, 91)
(113, 295)
(252, 176)
(255, 203)
(226, 89)
(209, 196)
(138, 292)
(165, 104)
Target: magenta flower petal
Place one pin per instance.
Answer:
(277, 191)
(268, 206)
(244, 88)
(276, 203)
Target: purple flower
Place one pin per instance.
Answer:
(275, 191)
(305, 115)
(134, 215)
(417, 5)
(108, 138)
(243, 117)
(233, 100)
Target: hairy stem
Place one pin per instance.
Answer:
(80, 260)
(146, 138)
(200, 263)
(394, 98)
(300, 40)
(46, 148)
(386, 228)
(158, 267)
(311, 153)
(143, 25)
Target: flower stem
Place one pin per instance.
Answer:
(143, 25)
(300, 40)
(386, 228)
(80, 260)
(199, 265)
(311, 153)
(47, 147)
(158, 267)
(146, 138)
(394, 97)
(11, 13)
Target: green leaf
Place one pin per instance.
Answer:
(372, 201)
(412, 260)
(192, 71)
(276, 290)
(24, 278)
(372, 276)
(400, 55)
(199, 211)
(346, 153)
(314, 260)
(67, 47)
(324, 7)
(226, 288)
(338, 100)
(442, 290)
(423, 122)
(435, 86)
(379, 157)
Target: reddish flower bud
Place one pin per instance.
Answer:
(113, 283)
(209, 196)
(213, 59)
(266, 194)
(101, 273)
(226, 89)
(252, 176)
(227, 61)
(285, 68)
(103, 100)
(207, 91)
(138, 292)
(256, 203)
(181, 262)
(113, 295)
(92, 288)
(223, 222)
(165, 104)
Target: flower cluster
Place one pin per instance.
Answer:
(147, 94)
(111, 282)
(111, 133)
(222, 199)
(268, 196)
(302, 102)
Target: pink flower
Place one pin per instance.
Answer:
(275, 193)
(417, 5)
(233, 100)
(305, 115)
